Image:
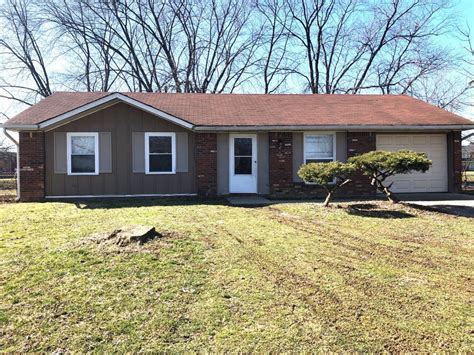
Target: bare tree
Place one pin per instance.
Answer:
(221, 44)
(276, 64)
(91, 61)
(217, 46)
(23, 53)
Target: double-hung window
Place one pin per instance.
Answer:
(82, 153)
(160, 153)
(319, 147)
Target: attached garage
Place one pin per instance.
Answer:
(434, 145)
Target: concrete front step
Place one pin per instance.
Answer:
(248, 201)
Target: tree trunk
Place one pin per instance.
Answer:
(328, 199)
(390, 195)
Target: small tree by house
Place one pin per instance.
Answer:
(331, 176)
(379, 165)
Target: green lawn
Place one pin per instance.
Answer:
(287, 277)
(7, 188)
(469, 176)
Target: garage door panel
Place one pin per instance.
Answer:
(437, 184)
(419, 184)
(436, 155)
(385, 140)
(403, 140)
(438, 140)
(434, 145)
(420, 140)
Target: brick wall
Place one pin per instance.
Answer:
(32, 169)
(455, 146)
(206, 164)
(359, 143)
(281, 163)
(281, 167)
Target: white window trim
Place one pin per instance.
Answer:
(69, 135)
(320, 133)
(147, 152)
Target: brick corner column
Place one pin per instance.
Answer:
(359, 143)
(455, 147)
(206, 164)
(32, 166)
(281, 163)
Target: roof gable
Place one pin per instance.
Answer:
(47, 115)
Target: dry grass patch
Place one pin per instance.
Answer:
(7, 190)
(289, 277)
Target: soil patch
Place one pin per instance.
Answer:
(128, 239)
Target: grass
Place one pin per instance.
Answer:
(469, 176)
(7, 189)
(297, 277)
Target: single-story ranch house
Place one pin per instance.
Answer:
(152, 144)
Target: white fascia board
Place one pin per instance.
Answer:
(77, 111)
(335, 128)
(119, 97)
(97, 103)
(154, 111)
(17, 127)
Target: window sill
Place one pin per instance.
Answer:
(82, 174)
(160, 173)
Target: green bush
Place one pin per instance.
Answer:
(331, 176)
(379, 165)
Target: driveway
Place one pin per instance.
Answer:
(457, 204)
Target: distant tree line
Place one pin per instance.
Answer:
(225, 46)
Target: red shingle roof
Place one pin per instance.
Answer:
(261, 110)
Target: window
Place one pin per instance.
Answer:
(83, 153)
(243, 156)
(160, 153)
(319, 148)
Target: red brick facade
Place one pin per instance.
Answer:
(280, 163)
(206, 164)
(455, 153)
(32, 166)
(281, 167)
(359, 143)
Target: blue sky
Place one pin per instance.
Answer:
(462, 9)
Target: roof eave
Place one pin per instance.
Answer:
(88, 108)
(462, 127)
(230, 128)
(20, 127)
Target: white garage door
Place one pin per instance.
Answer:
(435, 145)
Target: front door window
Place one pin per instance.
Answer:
(243, 156)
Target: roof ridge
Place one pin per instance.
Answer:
(228, 94)
(257, 109)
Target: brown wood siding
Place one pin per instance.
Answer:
(121, 120)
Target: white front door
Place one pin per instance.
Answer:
(243, 163)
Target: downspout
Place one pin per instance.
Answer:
(17, 162)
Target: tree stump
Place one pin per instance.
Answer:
(132, 235)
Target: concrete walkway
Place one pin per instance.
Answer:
(457, 204)
(451, 203)
(248, 201)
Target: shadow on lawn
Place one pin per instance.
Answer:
(374, 211)
(143, 202)
(461, 211)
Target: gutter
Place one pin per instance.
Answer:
(302, 128)
(23, 127)
(5, 132)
